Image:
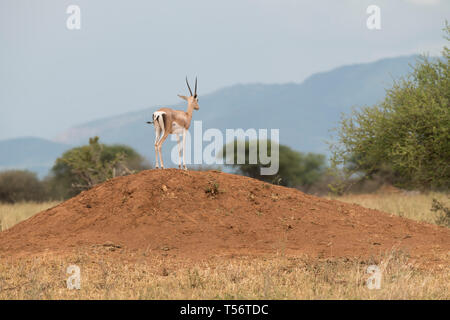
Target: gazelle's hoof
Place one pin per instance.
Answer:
(185, 168)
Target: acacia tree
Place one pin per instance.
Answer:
(405, 137)
(83, 167)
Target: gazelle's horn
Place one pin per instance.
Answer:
(188, 86)
(195, 89)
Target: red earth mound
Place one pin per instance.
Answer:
(201, 214)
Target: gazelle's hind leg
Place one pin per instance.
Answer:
(157, 134)
(165, 133)
(161, 141)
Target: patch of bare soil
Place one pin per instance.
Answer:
(203, 214)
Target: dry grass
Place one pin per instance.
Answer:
(11, 214)
(413, 206)
(238, 278)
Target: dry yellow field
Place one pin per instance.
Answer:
(10, 214)
(412, 206)
(278, 277)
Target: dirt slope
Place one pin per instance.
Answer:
(201, 214)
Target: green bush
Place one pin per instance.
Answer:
(405, 138)
(83, 167)
(296, 169)
(20, 185)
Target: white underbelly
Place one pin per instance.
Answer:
(176, 128)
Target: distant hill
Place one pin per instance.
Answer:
(303, 112)
(30, 153)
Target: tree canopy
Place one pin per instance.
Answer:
(83, 167)
(296, 169)
(406, 137)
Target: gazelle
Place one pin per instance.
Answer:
(168, 121)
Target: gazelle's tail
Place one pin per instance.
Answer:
(158, 120)
(156, 116)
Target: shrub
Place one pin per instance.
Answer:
(83, 167)
(443, 212)
(20, 185)
(296, 169)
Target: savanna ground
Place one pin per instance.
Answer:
(108, 274)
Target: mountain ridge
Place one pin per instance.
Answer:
(30, 153)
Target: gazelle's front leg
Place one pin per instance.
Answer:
(179, 150)
(184, 149)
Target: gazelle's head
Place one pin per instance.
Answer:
(193, 98)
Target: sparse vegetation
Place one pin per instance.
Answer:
(212, 189)
(277, 277)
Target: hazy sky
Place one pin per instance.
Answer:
(132, 54)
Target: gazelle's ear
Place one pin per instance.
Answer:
(182, 97)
